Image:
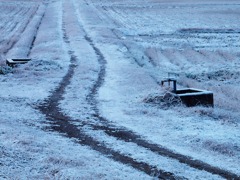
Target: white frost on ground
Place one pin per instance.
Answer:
(147, 33)
(210, 135)
(27, 152)
(27, 149)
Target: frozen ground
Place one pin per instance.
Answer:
(78, 109)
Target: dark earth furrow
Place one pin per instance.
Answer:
(91, 97)
(35, 35)
(23, 28)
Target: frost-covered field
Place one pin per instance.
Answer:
(78, 109)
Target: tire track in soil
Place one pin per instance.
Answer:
(126, 135)
(61, 123)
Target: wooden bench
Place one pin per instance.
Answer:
(13, 62)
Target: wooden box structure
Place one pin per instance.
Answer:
(193, 97)
(190, 96)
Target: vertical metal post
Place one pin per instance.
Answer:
(169, 80)
(174, 86)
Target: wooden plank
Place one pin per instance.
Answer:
(12, 62)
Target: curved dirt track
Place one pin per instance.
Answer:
(62, 123)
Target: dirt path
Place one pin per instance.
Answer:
(63, 123)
